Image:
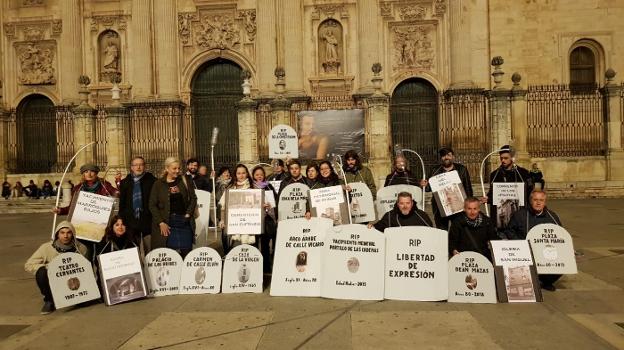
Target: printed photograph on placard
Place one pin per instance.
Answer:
(123, 288)
(451, 199)
(519, 284)
(330, 132)
(244, 199)
(505, 211)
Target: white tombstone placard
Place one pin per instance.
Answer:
(552, 249)
(122, 276)
(362, 204)
(71, 280)
(201, 272)
(504, 191)
(416, 263)
(244, 211)
(242, 272)
(283, 142)
(328, 202)
(353, 263)
(90, 215)
(471, 279)
(513, 253)
(163, 267)
(292, 201)
(386, 197)
(202, 217)
(297, 263)
(269, 197)
(516, 277)
(448, 192)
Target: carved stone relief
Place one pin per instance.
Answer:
(330, 47)
(109, 55)
(249, 21)
(36, 62)
(184, 25)
(33, 30)
(385, 8)
(414, 47)
(330, 11)
(108, 21)
(217, 31)
(439, 7)
(412, 12)
(28, 3)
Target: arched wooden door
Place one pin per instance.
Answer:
(36, 135)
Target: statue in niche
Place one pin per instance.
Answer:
(110, 55)
(330, 35)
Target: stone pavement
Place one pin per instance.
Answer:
(586, 312)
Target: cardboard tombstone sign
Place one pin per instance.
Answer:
(448, 192)
(329, 202)
(122, 276)
(163, 267)
(72, 280)
(90, 214)
(244, 212)
(353, 263)
(416, 263)
(201, 272)
(471, 279)
(362, 204)
(202, 216)
(242, 272)
(387, 196)
(508, 197)
(297, 265)
(283, 142)
(514, 272)
(552, 249)
(292, 202)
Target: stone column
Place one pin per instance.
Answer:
(519, 122)
(380, 157)
(4, 142)
(116, 130)
(247, 131)
(141, 49)
(70, 49)
(266, 45)
(615, 153)
(293, 45)
(84, 127)
(461, 61)
(165, 41)
(368, 42)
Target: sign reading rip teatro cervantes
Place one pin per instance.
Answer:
(283, 142)
(71, 280)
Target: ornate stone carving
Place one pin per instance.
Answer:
(217, 31)
(413, 47)
(36, 60)
(439, 8)
(249, 22)
(330, 46)
(28, 3)
(184, 26)
(385, 8)
(57, 27)
(34, 32)
(110, 55)
(330, 11)
(9, 30)
(108, 22)
(412, 12)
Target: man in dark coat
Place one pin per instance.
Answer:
(447, 164)
(199, 182)
(134, 193)
(404, 213)
(471, 230)
(525, 219)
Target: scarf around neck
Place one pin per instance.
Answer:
(62, 248)
(474, 223)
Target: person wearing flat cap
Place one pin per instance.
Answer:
(90, 183)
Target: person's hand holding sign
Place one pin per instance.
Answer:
(164, 229)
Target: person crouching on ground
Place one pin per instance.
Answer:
(404, 213)
(471, 230)
(64, 242)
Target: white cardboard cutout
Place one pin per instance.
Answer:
(448, 192)
(242, 272)
(386, 197)
(471, 279)
(90, 215)
(362, 204)
(283, 142)
(552, 249)
(71, 280)
(292, 201)
(122, 276)
(201, 272)
(202, 219)
(244, 211)
(163, 267)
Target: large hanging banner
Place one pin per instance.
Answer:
(448, 192)
(329, 202)
(514, 271)
(71, 280)
(242, 272)
(244, 211)
(508, 197)
(416, 263)
(387, 196)
(90, 214)
(297, 263)
(471, 279)
(330, 132)
(283, 142)
(201, 272)
(353, 263)
(163, 266)
(362, 204)
(121, 276)
(202, 217)
(552, 249)
(292, 202)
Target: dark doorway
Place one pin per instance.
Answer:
(36, 135)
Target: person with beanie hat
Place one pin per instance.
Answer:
(64, 242)
(89, 183)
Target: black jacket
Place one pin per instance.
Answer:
(516, 174)
(401, 178)
(201, 182)
(394, 218)
(144, 223)
(525, 219)
(159, 206)
(463, 237)
(289, 180)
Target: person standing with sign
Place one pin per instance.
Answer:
(267, 240)
(134, 194)
(294, 175)
(172, 203)
(471, 230)
(64, 242)
(401, 175)
(404, 213)
(312, 175)
(199, 182)
(525, 219)
(447, 164)
(508, 172)
(242, 181)
(354, 171)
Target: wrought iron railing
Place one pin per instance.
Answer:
(99, 153)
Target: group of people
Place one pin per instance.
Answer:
(31, 190)
(158, 211)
